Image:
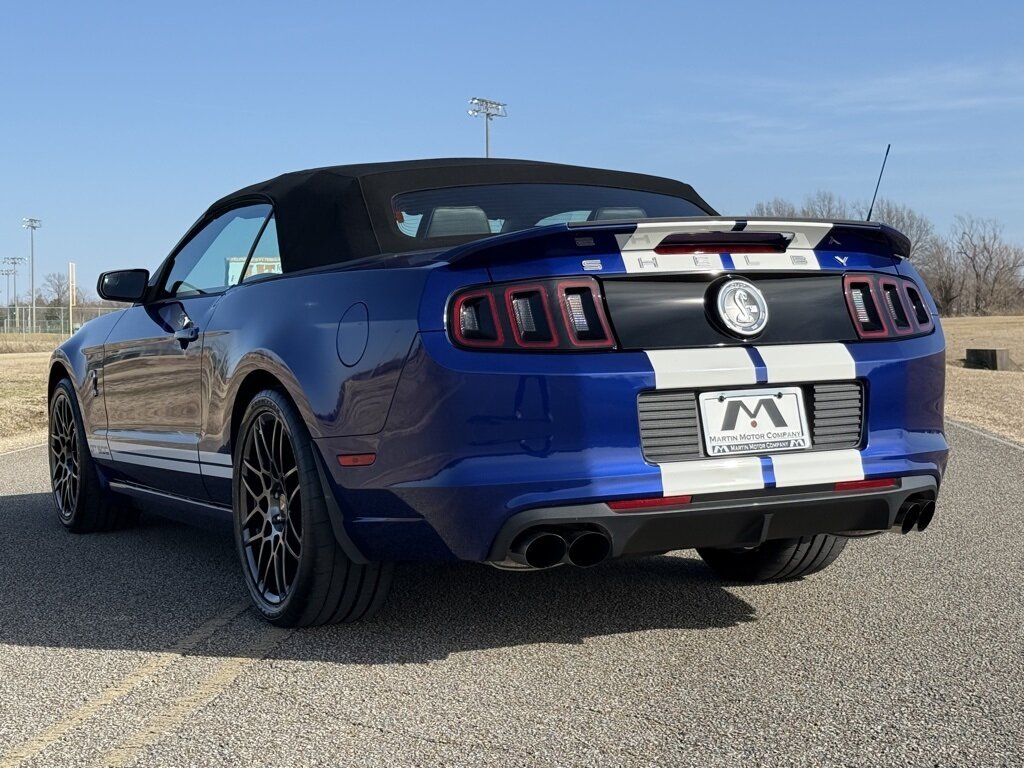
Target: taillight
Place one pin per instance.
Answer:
(882, 307)
(540, 315)
(475, 322)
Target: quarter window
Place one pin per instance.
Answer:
(213, 259)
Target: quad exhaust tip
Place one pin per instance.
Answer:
(540, 549)
(914, 515)
(588, 548)
(547, 548)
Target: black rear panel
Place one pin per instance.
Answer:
(677, 312)
(670, 425)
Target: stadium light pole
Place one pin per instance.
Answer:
(32, 225)
(488, 110)
(14, 261)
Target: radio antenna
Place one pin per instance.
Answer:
(878, 183)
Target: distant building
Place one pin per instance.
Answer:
(260, 265)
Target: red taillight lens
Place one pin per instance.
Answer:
(883, 307)
(542, 315)
(633, 505)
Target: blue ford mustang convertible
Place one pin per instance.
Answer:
(519, 363)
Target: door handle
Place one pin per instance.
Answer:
(187, 335)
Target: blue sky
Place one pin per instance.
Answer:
(120, 123)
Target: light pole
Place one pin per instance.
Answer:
(488, 110)
(32, 225)
(14, 261)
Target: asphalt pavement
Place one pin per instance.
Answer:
(137, 648)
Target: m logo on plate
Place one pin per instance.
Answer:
(767, 404)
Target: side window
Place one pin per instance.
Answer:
(266, 257)
(212, 260)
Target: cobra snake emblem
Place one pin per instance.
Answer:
(745, 304)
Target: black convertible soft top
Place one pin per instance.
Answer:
(339, 213)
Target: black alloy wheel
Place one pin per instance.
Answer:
(295, 569)
(272, 521)
(65, 461)
(84, 503)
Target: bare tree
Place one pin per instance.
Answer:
(992, 266)
(776, 208)
(825, 205)
(946, 278)
(917, 227)
(56, 288)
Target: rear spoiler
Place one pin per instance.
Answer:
(860, 236)
(759, 233)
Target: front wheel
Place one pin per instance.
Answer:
(296, 572)
(83, 504)
(778, 560)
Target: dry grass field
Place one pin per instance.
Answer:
(992, 332)
(29, 342)
(987, 399)
(22, 399)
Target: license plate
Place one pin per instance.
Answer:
(754, 421)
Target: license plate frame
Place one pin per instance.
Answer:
(741, 422)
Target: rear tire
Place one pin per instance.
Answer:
(83, 505)
(779, 560)
(296, 572)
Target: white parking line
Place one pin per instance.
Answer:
(983, 433)
(26, 448)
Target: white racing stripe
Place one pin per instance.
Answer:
(808, 362)
(817, 467)
(710, 367)
(712, 476)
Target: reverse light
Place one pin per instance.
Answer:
(556, 315)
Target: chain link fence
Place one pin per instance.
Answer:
(48, 319)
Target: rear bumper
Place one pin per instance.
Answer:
(725, 522)
(474, 441)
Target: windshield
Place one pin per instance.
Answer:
(489, 209)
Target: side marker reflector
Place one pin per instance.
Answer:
(867, 485)
(630, 505)
(357, 459)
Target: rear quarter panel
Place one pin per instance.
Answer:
(291, 327)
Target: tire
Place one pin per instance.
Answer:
(779, 560)
(296, 572)
(83, 504)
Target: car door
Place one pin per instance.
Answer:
(152, 369)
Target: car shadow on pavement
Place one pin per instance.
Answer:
(145, 588)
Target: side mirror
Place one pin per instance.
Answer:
(128, 285)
